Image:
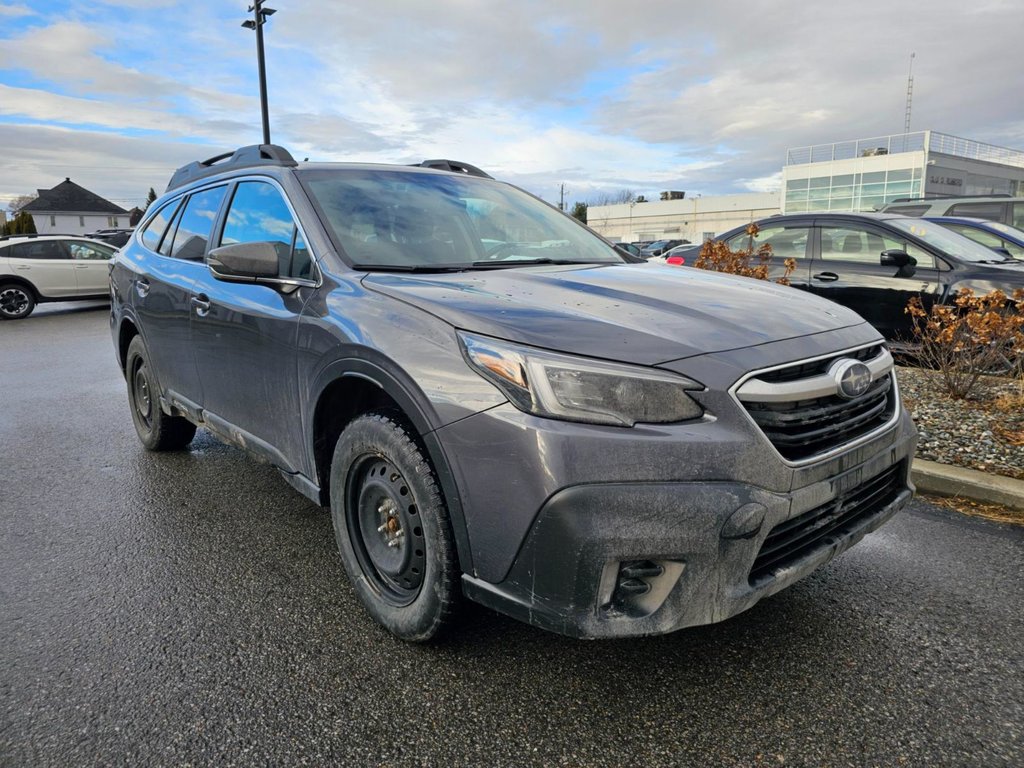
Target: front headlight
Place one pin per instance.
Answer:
(578, 389)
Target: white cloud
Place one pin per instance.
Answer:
(14, 11)
(703, 97)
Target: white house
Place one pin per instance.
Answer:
(69, 209)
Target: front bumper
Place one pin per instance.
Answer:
(628, 559)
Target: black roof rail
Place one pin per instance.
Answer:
(937, 198)
(455, 166)
(243, 157)
(40, 234)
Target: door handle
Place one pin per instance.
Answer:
(81, 266)
(23, 267)
(202, 304)
(826, 277)
(142, 288)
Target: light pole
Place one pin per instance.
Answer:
(259, 18)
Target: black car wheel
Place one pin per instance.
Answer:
(392, 528)
(16, 301)
(156, 430)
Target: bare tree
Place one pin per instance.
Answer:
(613, 198)
(20, 202)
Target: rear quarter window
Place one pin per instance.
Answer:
(158, 225)
(990, 211)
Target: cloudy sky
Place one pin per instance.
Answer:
(598, 95)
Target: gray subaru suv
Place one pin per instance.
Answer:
(495, 405)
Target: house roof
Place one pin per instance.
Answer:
(68, 197)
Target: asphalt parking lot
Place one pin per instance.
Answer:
(190, 609)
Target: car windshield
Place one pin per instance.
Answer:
(424, 221)
(945, 240)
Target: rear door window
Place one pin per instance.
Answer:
(786, 242)
(195, 224)
(40, 249)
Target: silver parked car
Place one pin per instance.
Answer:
(39, 268)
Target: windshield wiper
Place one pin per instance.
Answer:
(506, 263)
(410, 267)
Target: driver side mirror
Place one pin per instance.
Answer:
(244, 262)
(895, 258)
(903, 261)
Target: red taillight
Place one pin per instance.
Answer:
(677, 260)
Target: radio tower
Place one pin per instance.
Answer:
(910, 95)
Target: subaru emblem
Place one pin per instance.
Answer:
(852, 378)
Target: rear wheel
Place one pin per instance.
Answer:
(156, 430)
(392, 528)
(16, 301)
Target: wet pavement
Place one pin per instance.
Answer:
(190, 609)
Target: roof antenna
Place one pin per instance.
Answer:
(910, 95)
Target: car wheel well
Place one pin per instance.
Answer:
(12, 280)
(125, 335)
(341, 402)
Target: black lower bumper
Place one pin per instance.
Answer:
(631, 559)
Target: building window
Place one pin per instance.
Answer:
(53, 221)
(111, 221)
(81, 221)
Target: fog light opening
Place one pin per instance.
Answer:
(641, 586)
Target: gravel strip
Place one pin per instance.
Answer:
(984, 433)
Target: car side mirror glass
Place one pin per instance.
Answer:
(244, 261)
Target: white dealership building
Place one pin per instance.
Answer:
(857, 175)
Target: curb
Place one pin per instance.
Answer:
(944, 480)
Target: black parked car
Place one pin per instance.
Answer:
(874, 263)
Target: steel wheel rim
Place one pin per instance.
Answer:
(385, 529)
(13, 301)
(142, 396)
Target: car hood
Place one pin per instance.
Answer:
(636, 313)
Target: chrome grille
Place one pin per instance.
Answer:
(801, 411)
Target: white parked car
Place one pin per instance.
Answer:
(38, 268)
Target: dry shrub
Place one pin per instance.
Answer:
(717, 256)
(970, 338)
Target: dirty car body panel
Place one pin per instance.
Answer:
(583, 527)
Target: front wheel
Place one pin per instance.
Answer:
(16, 301)
(156, 430)
(392, 528)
